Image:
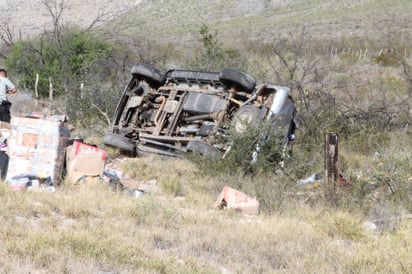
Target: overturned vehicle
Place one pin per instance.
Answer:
(195, 111)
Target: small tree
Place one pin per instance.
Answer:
(214, 56)
(55, 9)
(66, 64)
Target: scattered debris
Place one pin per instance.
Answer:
(144, 187)
(89, 180)
(149, 186)
(234, 199)
(112, 174)
(135, 193)
(370, 226)
(31, 182)
(313, 179)
(120, 182)
(317, 178)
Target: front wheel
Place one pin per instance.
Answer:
(203, 149)
(245, 118)
(119, 141)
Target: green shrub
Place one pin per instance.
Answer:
(368, 141)
(391, 172)
(256, 151)
(78, 58)
(388, 58)
(343, 226)
(66, 61)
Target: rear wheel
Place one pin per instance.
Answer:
(234, 78)
(149, 73)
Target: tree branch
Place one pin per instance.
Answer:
(103, 113)
(55, 8)
(6, 34)
(102, 16)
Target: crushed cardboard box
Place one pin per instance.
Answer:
(84, 160)
(234, 199)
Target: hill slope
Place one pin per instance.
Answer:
(176, 20)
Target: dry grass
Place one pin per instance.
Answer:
(90, 229)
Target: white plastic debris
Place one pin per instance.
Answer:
(316, 177)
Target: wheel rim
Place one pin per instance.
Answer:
(243, 122)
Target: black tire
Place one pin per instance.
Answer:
(203, 149)
(246, 117)
(121, 142)
(240, 80)
(149, 73)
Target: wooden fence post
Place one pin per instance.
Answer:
(36, 91)
(51, 95)
(331, 160)
(81, 90)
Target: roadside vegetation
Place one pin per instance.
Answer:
(358, 85)
(90, 228)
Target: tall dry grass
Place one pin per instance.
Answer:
(91, 229)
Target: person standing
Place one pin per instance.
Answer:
(6, 87)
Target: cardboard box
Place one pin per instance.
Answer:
(36, 146)
(4, 125)
(234, 199)
(84, 160)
